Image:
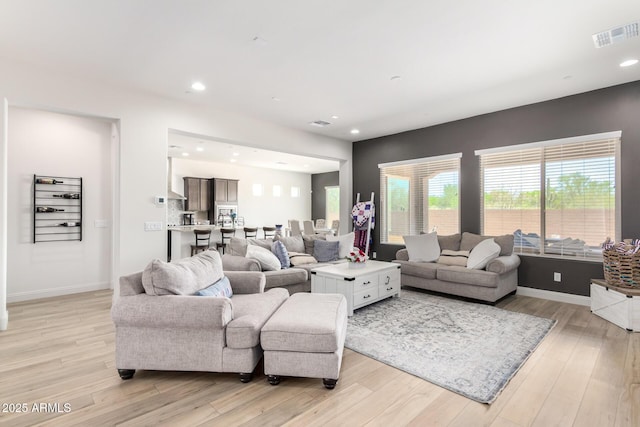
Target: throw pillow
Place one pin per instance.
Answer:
(309, 241)
(325, 251)
(292, 243)
(346, 243)
(237, 246)
(506, 244)
(268, 261)
(300, 259)
(449, 257)
(484, 252)
(423, 247)
(221, 288)
(182, 277)
(280, 251)
(450, 242)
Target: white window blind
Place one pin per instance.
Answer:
(419, 195)
(556, 198)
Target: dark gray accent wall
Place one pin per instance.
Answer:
(604, 110)
(318, 199)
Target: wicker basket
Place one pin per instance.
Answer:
(621, 269)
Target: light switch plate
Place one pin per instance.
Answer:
(152, 226)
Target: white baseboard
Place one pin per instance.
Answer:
(4, 320)
(55, 292)
(554, 296)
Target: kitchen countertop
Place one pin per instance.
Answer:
(190, 228)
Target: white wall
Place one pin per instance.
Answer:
(144, 122)
(256, 210)
(46, 143)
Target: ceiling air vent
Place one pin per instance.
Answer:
(319, 123)
(615, 35)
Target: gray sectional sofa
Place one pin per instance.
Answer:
(498, 279)
(296, 278)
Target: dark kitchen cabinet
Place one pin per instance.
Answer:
(198, 193)
(225, 190)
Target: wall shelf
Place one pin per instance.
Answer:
(57, 209)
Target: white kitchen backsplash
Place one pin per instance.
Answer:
(174, 212)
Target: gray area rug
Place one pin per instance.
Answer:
(471, 349)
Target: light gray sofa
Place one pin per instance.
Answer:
(498, 279)
(294, 279)
(160, 325)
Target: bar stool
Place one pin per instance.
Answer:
(269, 232)
(250, 232)
(203, 239)
(227, 234)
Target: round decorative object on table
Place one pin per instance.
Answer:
(357, 264)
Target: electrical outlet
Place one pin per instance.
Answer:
(557, 277)
(375, 255)
(152, 226)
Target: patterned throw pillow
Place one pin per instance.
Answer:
(325, 251)
(280, 251)
(222, 288)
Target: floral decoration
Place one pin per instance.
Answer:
(357, 255)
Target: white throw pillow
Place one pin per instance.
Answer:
(346, 243)
(482, 253)
(422, 247)
(268, 261)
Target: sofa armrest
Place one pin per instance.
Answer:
(172, 311)
(239, 263)
(402, 255)
(246, 282)
(504, 264)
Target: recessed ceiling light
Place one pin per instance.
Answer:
(185, 154)
(198, 86)
(233, 160)
(629, 63)
(236, 154)
(355, 131)
(335, 117)
(199, 148)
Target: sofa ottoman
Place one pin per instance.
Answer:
(305, 338)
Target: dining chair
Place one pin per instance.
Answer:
(321, 223)
(226, 235)
(269, 232)
(294, 226)
(309, 229)
(250, 232)
(335, 227)
(203, 240)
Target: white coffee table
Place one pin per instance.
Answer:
(361, 286)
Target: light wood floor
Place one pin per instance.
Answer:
(61, 351)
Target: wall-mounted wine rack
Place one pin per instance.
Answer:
(57, 208)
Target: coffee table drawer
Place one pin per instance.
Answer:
(365, 283)
(364, 298)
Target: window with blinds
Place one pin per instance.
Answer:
(419, 195)
(557, 197)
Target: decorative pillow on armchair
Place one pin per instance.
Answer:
(221, 288)
(482, 253)
(280, 251)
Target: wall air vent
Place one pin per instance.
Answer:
(319, 123)
(615, 35)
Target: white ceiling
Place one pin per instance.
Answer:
(456, 59)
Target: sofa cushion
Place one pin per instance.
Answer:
(346, 243)
(450, 242)
(309, 242)
(468, 276)
(426, 270)
(289, 276)
(422, 247)
(250, 313)
(292, 243)
(222, 288)
(482, 253)
(182, 277)
(470, 240)
(239, 263)
(324, 251)
(298, 259)
(268, 261)
(280, 251)
(238, 246)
